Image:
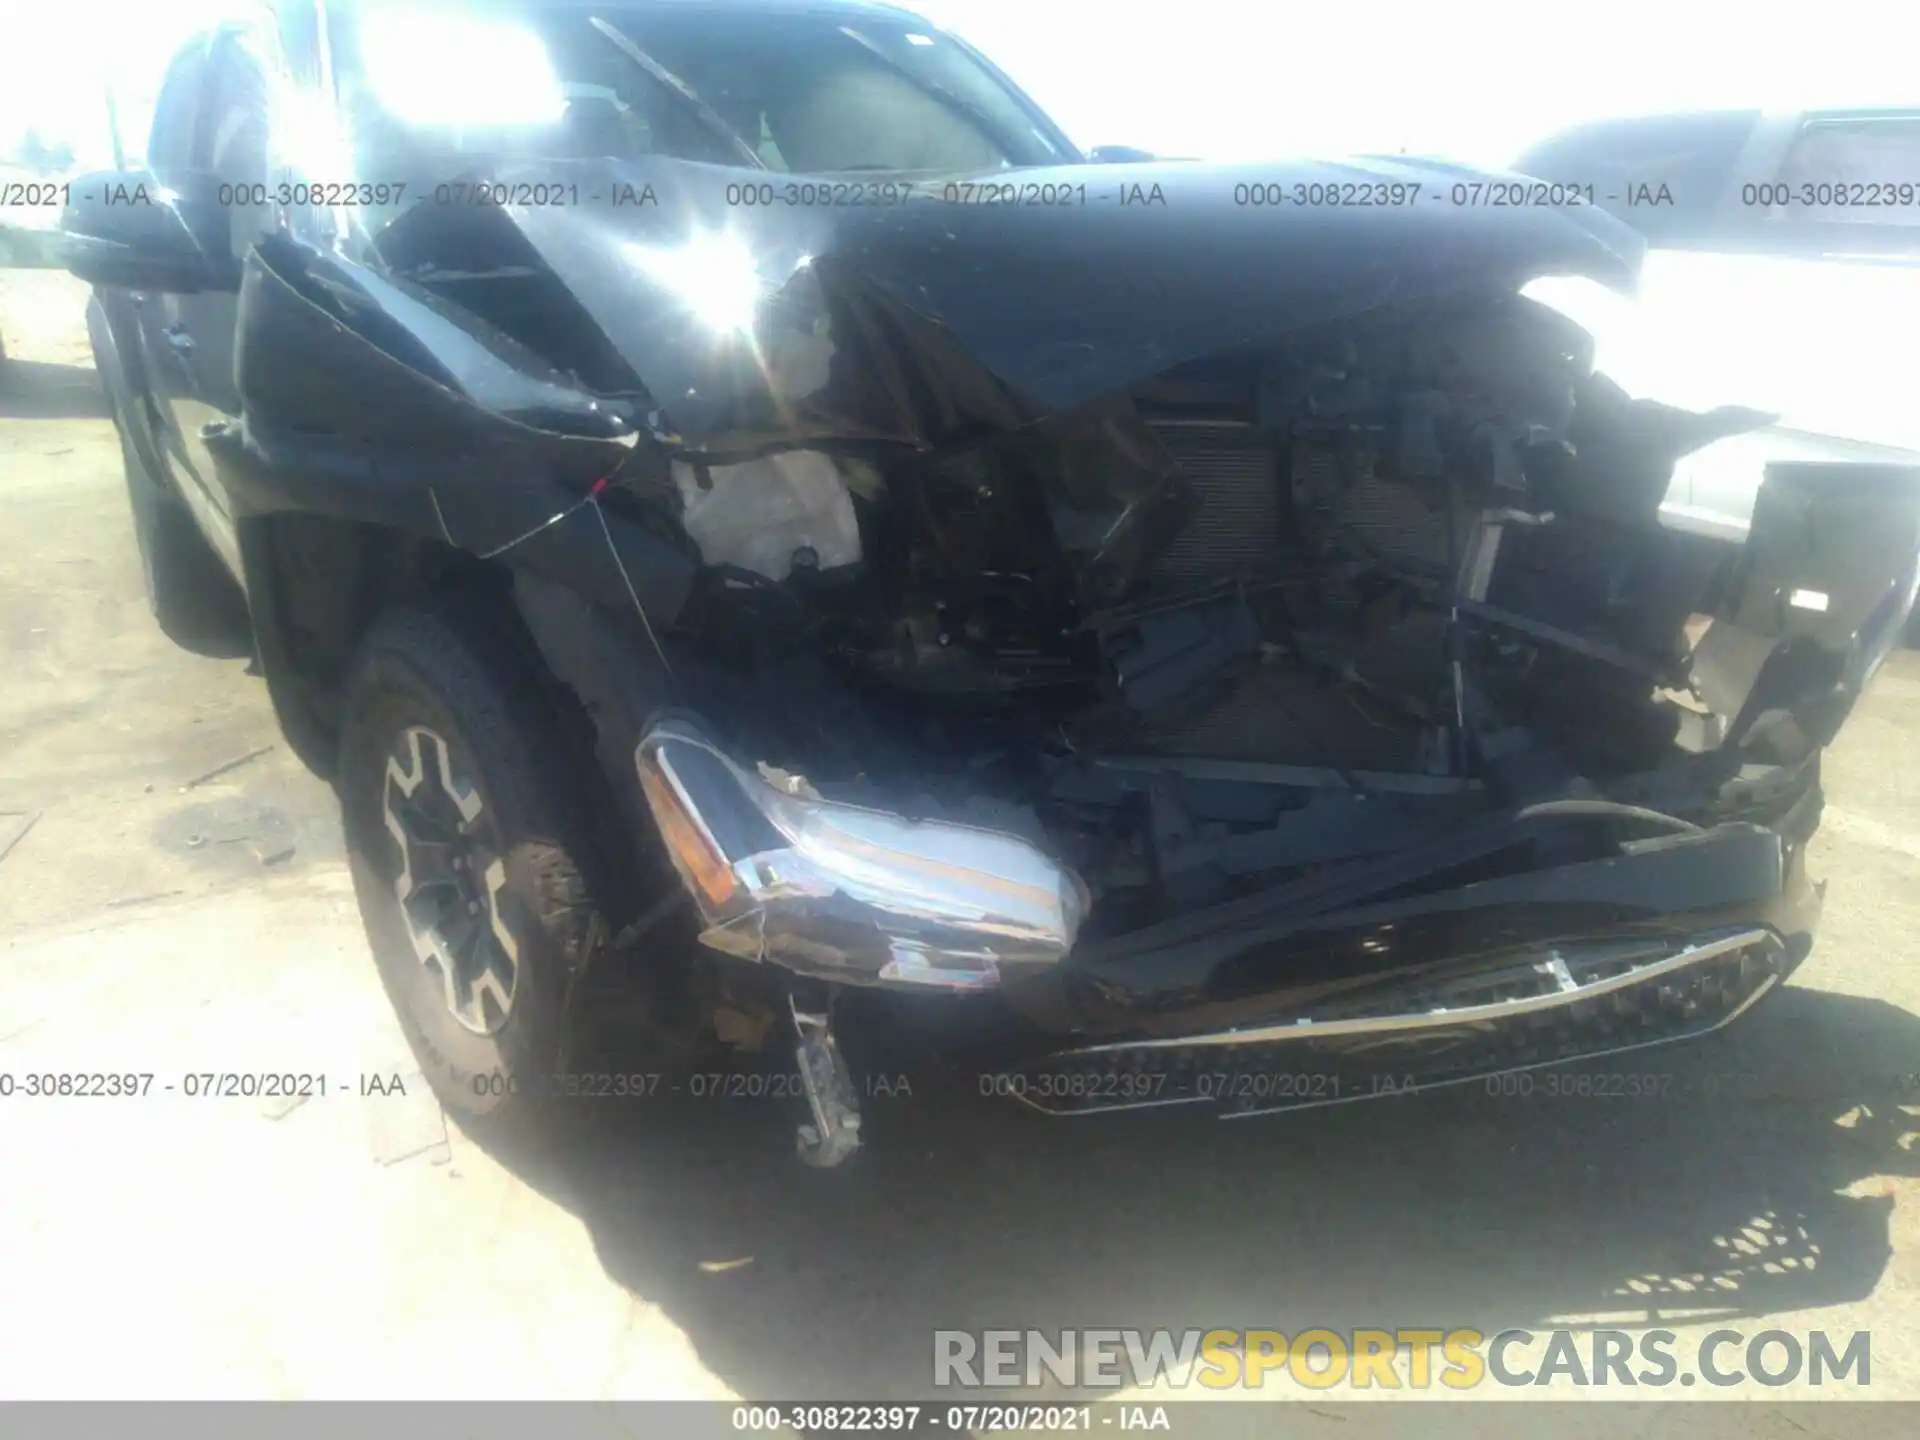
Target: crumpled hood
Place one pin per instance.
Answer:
(837, 313)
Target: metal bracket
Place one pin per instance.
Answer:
(834, 1135)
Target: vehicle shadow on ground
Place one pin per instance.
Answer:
(1459, 1208)
(35, 390)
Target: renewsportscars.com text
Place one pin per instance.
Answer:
(1417, 1359)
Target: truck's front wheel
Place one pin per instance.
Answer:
(469, 853)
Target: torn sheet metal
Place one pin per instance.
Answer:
(365, 400)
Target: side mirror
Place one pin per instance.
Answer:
(1119, 155)
(122, 227)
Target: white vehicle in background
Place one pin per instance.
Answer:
(1783, 275)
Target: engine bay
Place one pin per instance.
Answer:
(1280, 609)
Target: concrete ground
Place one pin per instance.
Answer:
(164, 914)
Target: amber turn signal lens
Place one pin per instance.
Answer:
(697, 858)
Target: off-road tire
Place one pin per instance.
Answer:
(442, 668)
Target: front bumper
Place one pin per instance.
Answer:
(1533, 1007)
(1323, 991)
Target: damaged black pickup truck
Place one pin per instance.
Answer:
(742, 464)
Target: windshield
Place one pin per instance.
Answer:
(428, 91)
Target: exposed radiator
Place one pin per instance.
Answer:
(1247, 482)
(1404, 525)
(1241, 517)
(1237, 474)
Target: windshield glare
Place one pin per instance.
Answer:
(799, 92)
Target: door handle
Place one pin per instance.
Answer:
(178, 341)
